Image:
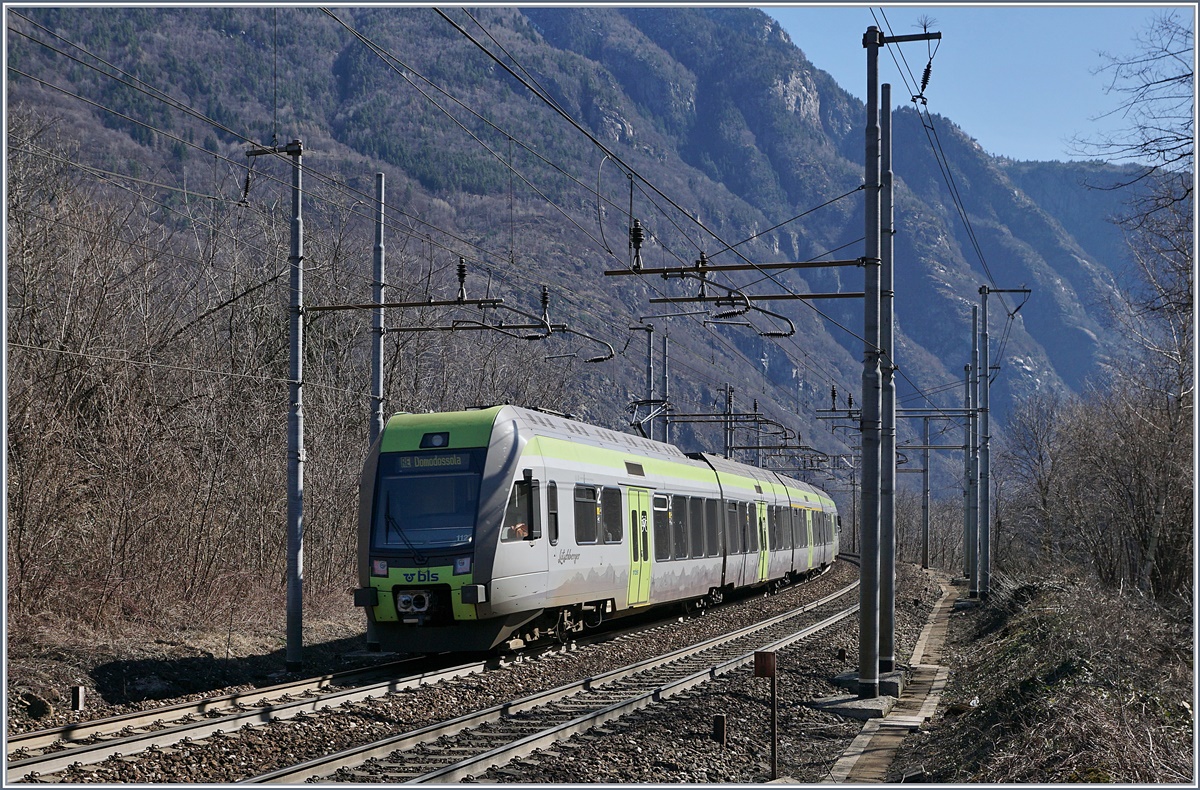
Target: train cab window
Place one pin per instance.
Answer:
(752, 529)
(662, 529)
(610, 510)
(586, 515)
(712, 510)
(426, 500)
(552, 512)
(522, 516)
(696, 525)
(679, 532)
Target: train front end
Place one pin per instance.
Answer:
(420, 547)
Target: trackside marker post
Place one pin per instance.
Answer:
(764, 667)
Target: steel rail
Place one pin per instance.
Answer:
(83, 731)
(125, 744)
(528, 745)
(88, 743)
(357, 756)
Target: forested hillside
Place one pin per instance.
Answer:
(147, 261)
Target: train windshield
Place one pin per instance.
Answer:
(427, 499)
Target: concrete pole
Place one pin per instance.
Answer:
(377, 330)
(985, 458)
(887, 480)
(295, 506)
(872, 395)
(666, 386)
(925, 497)
(650, 375)
(757, 437)
(377, 319)
(973, 480)
(966, 534)
(728, 422)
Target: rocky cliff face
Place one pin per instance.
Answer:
(716, 108)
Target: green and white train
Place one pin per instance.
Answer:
(480, 528)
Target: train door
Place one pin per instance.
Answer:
(809, 536)
(764, 553)
(639, 546)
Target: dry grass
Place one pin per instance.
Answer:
(1059, 681)
(132, 665)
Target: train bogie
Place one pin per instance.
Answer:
(480, 527)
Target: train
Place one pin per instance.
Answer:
(486, 529)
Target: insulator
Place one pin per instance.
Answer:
(637, 234)
(925, 76)
(462, 279)
(833, 395)
(850, 401)
(545, 300)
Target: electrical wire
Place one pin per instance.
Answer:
(180, 106)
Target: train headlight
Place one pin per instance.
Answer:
(413, 601)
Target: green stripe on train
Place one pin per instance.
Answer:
(614, 460)
(466, 428)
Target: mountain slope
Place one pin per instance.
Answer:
(715, 109)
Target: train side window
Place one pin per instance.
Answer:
(679, 536)
(610, 507)
(773, 526)
(552, 511)
(733, 528)
(712, 509)
(586, 517)
(662, 529)
(752, 529)
(696, 524)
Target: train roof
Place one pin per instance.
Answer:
(473, 428)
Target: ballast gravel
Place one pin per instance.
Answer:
(670, 742)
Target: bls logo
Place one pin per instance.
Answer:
(421, 576)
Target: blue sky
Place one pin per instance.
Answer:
(1018, 79)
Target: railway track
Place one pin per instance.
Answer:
(35, 754)
(58, 753)
(468, 745)
(41, 753)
